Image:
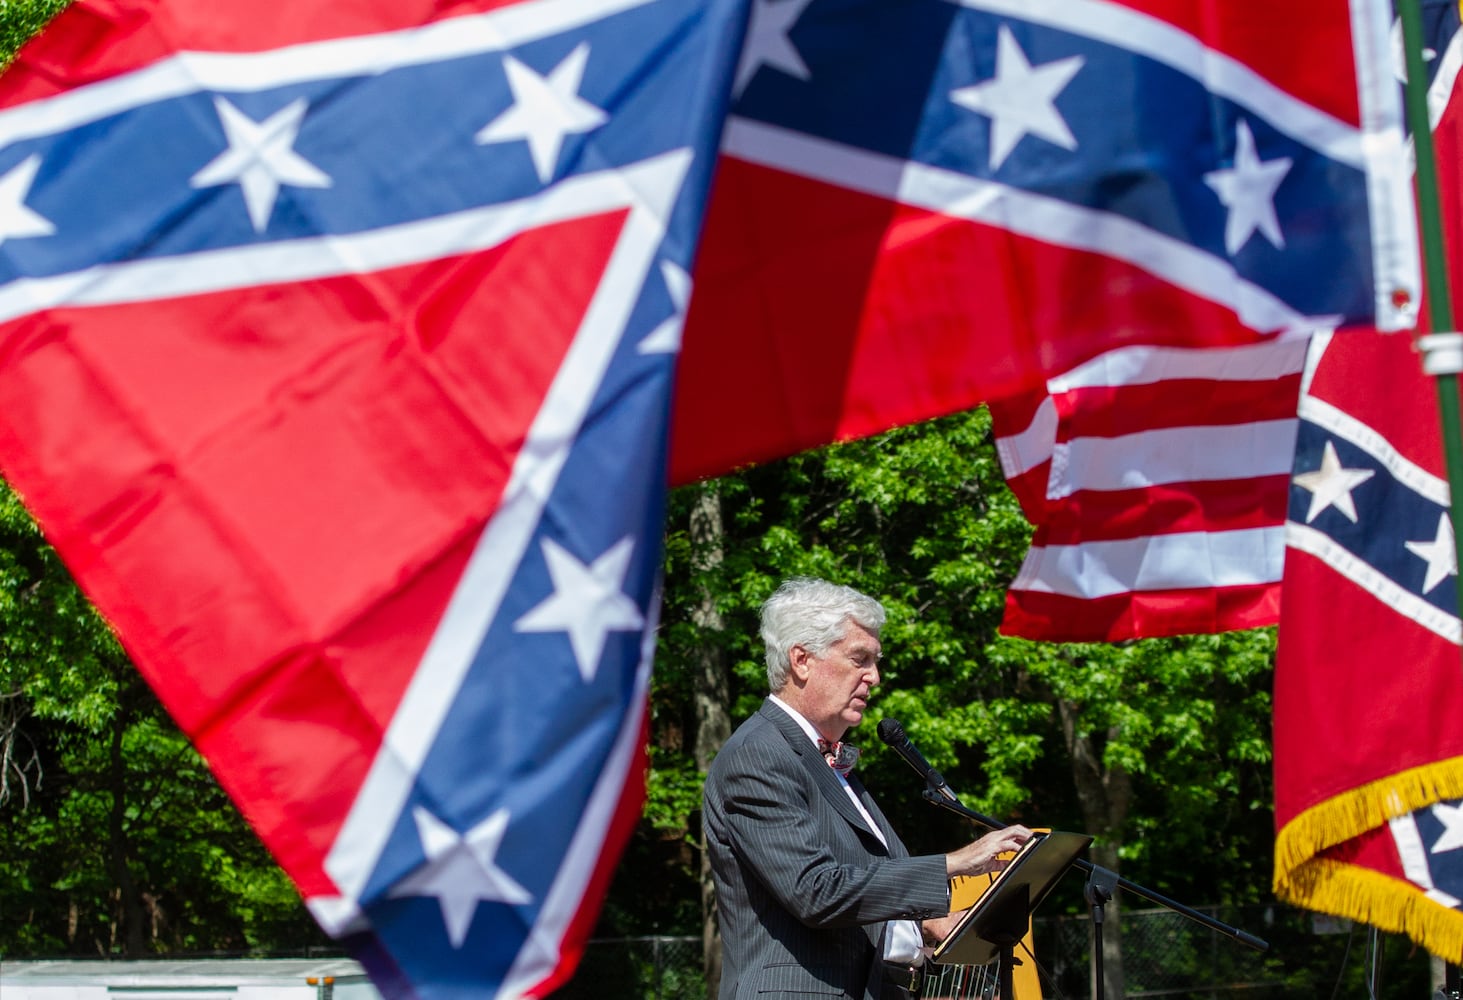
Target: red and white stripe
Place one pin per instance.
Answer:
(1157, 480)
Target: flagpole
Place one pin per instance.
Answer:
(1442, 349)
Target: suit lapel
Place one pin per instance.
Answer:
(823, 776)
(891, 840)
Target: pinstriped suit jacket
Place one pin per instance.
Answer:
(802, 884)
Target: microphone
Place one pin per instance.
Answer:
(892, 733)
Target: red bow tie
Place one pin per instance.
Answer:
(840, 756)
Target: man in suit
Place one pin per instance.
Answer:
(816, 893)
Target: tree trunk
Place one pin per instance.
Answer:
(18, 756)
(1105, 794)
(713, 693)
(134, 945)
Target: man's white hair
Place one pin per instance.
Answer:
(813, 614)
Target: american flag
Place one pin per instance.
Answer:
(933, 204)
(335, 357)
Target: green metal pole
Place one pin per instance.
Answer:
(1443, 348)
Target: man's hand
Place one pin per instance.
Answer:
(980, 856)
(937, 929)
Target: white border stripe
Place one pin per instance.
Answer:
(1199, 559)
(1345, 426)
(1440, 91)
(1413, 854)
(1315, 350)
(500, 549)
(1162, 42)
(1410, 850)
(1048, 219)
(541, 952)
(366, 55)
(328, 256)
(1361, 573)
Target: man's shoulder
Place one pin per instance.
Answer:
(758, 726)
(757, 733)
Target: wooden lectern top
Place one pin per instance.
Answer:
(1001, 914)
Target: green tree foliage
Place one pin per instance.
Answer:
(118, 840)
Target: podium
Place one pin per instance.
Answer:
(992, 927)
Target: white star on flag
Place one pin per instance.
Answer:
(1439, 554)
(1247, 189)
(261, 158)
(666, 337)
(1452, 819)
(16, 220)
(767, 42)
(588, 602)
(545, 109)
(1331, 485)
(461, 871)
(1020, 99)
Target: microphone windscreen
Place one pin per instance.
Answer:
(890, 731)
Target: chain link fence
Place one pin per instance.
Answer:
(1164, 955)
(638, 968)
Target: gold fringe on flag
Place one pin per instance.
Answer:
(1352, 813)
(1345, 890)
(1371, 898)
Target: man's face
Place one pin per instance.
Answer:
(838, 681)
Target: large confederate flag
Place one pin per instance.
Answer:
(335, 353)
(336, 349)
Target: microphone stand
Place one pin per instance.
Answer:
(1100, 882)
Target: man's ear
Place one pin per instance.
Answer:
(799, 662)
